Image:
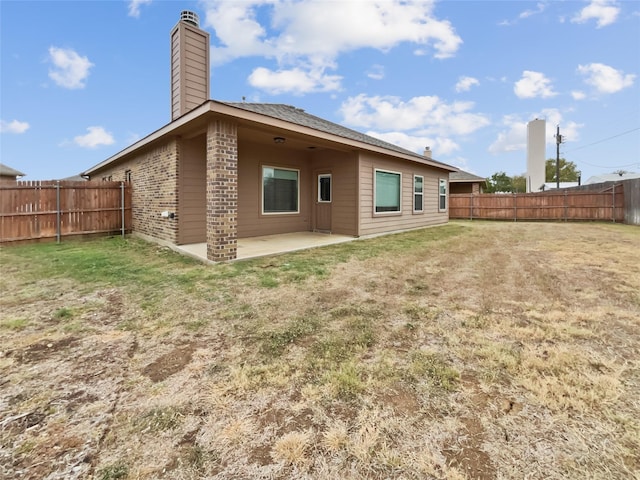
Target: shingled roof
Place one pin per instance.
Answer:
(298, 116)
(7, 171)
(276, 111)
(462, 176)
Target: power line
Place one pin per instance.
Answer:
(603, 140)
(609, 166)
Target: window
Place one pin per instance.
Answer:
(418, 193)
(280, 192)
(127, 175)
(387, 191)
(442, 194)
(324, 188)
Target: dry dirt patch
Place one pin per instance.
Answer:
(169, 363)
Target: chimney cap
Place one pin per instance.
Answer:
(190, 17)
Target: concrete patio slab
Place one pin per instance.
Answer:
(270, 244)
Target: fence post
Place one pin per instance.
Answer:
(58, 211)
(613, 203)
(565, 206)
(471, 208)
(515, 208)
(122, 206)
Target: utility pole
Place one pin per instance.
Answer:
(559, 140)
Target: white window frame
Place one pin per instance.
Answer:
(442, 181)
(415, 194)
(297, 212)
(325, 175)
(375, 193)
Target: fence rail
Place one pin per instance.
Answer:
(605, 205)
(39, 210)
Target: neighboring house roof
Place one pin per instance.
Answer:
(611, 177)
(462, 176)
(272, 115)
(75, 178)
(553, 185)
(7, 171)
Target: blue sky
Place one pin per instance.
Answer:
(82, 80)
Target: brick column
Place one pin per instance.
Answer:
(222, 190)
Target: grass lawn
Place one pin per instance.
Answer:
(474, 350)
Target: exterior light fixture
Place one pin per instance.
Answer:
(278, 139)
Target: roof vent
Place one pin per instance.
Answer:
(190, 17)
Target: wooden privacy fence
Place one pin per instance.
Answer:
(567, 205)
(53, 209)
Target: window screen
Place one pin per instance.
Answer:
(279, 190)
(387, 192)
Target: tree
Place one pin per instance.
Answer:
(568, 171)
(519, 183)
(499, 182)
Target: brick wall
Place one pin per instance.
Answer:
(154, 179)
(222, 190)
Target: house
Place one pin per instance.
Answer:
(220, 171)
(74, 178)
(9, 175)
(465, 182)
(546, 186)
(612, 177)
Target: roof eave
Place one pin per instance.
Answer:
(215, 107)
(302, 129)
(143, 142)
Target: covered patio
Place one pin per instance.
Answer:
(266, 245)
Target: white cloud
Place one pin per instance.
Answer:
(376, 72)
(540, 7)
(532, 85)
(310, 28)
(96, 137)
(465, 83)
(514, 135)
(70, 70)
(310, 34)
(296, 81)
(428, 113)
(14, 126)
(605, 79)
(415, 123)
(134, 7)
(439, 145)
(605, 12)
(513, 138)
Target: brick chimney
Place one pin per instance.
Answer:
(190, 75)
(427, 152)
